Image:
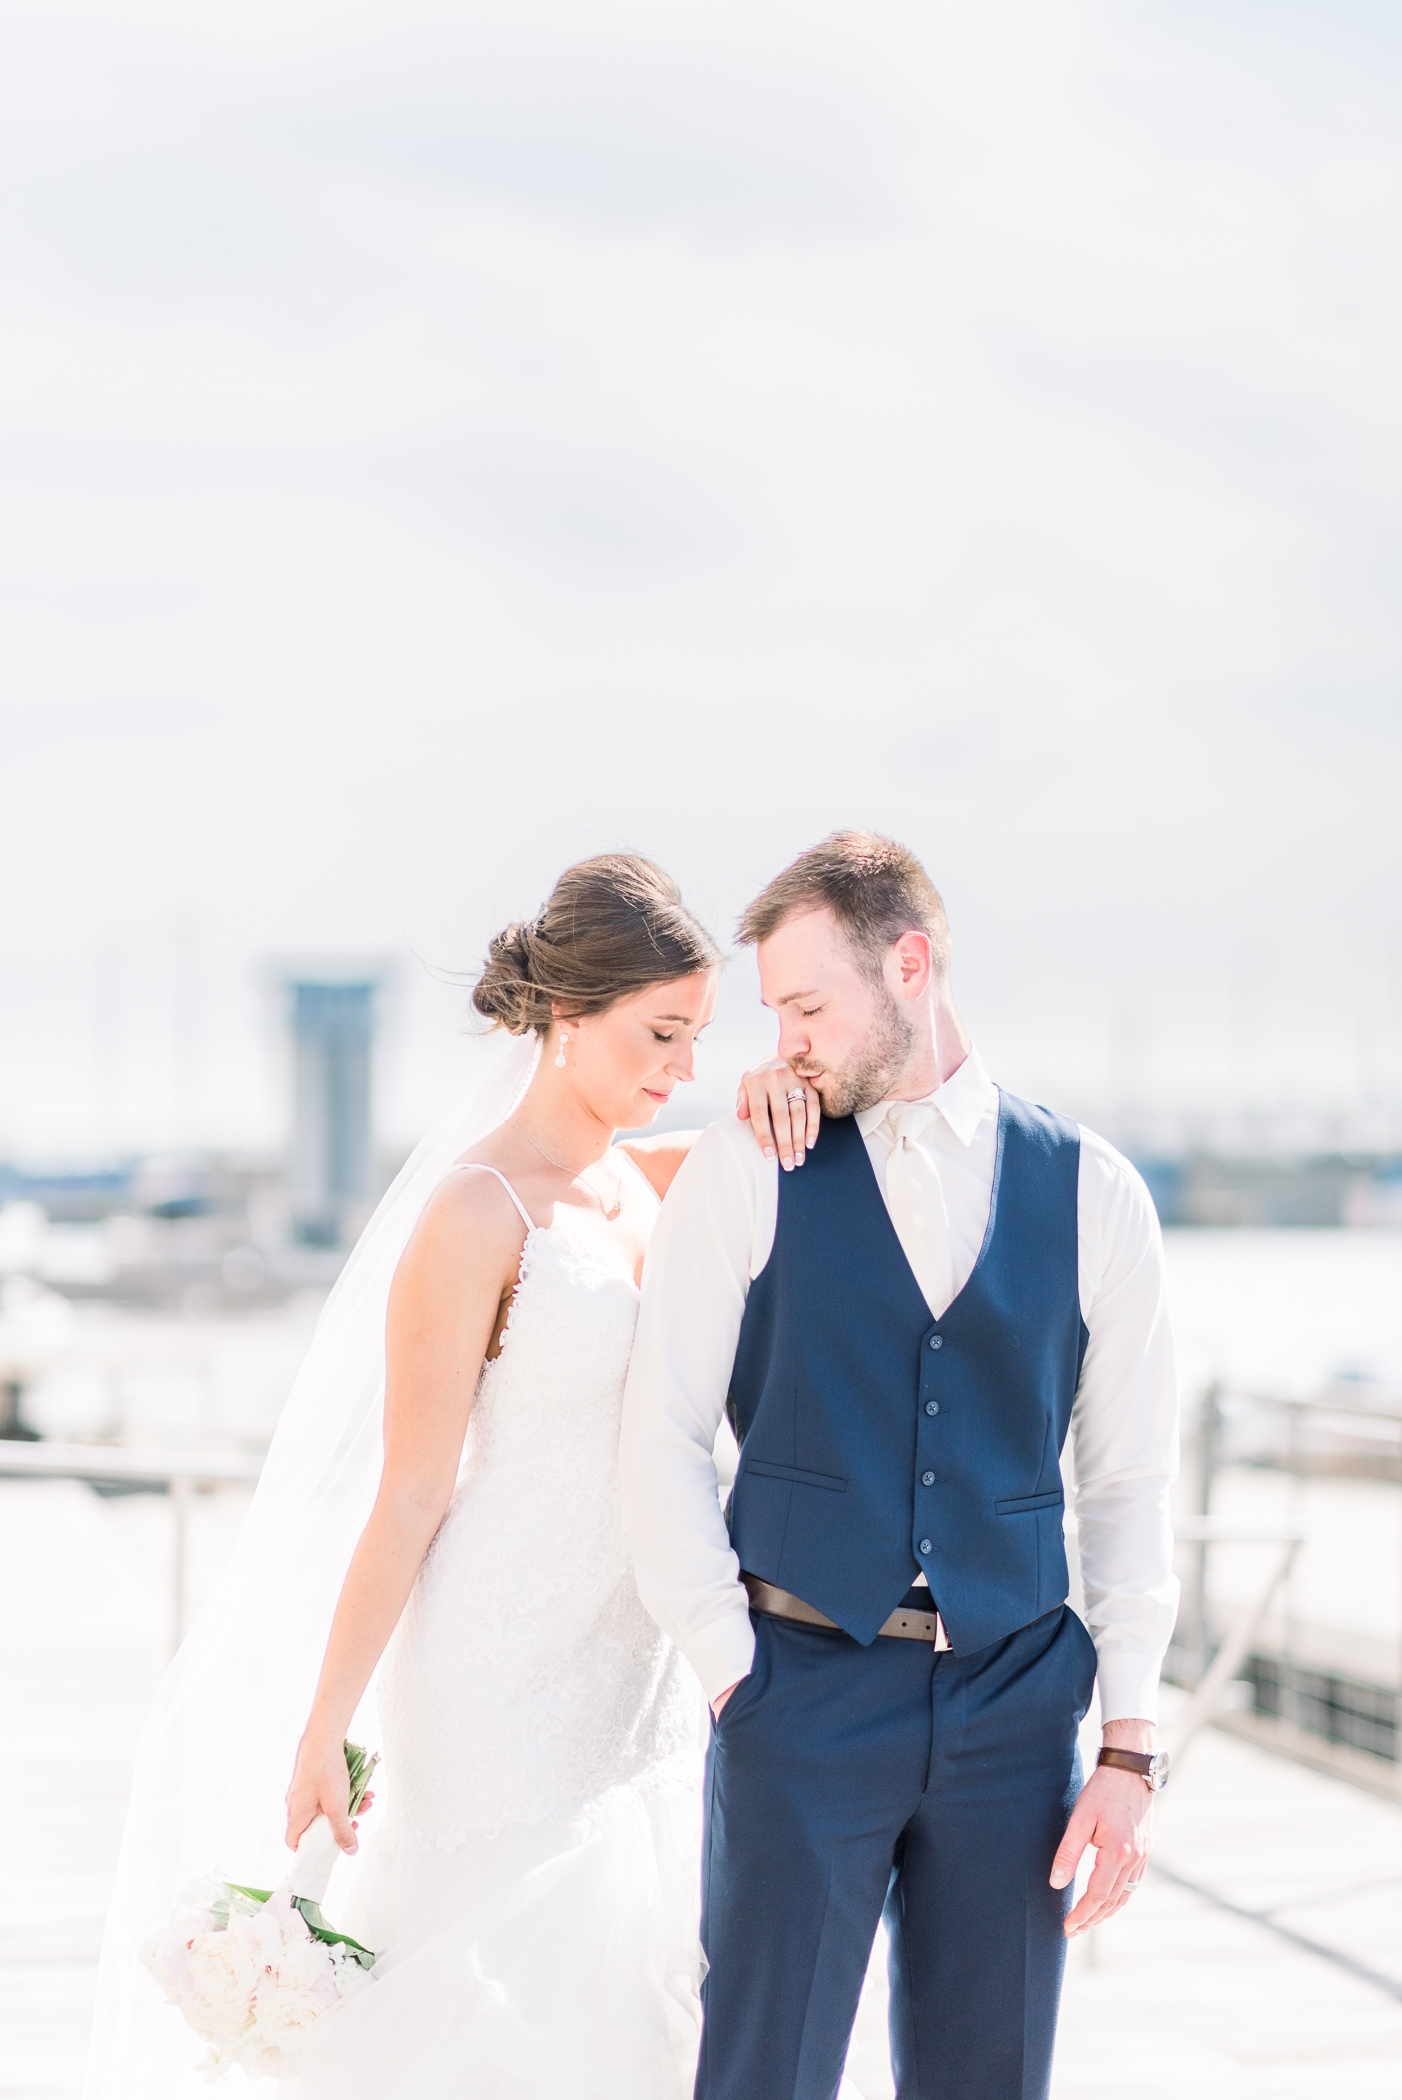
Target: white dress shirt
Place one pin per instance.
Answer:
(715, 1234)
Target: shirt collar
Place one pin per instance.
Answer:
(963, 1100)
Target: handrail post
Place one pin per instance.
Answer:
(180, 1491)
(1209, 1439)
(1232, 1653)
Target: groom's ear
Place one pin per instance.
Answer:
(910, 964)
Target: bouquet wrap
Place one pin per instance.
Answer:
(317, 1853)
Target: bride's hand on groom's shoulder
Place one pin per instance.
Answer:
(782, 1110)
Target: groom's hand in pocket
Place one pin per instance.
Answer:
(718, 1703)
(780, 1124)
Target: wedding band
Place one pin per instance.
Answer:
(798, 1094)
(1130, 1887)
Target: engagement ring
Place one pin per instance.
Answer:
(798, 1094)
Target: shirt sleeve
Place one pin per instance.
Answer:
(1125, 1434)
(695, 1282)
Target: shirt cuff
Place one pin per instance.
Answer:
(723, 1652)
(1128, 1682)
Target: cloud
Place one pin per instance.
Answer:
(438, 441)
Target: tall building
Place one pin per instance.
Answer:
(330, 1168)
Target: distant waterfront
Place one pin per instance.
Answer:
(1287, 1309)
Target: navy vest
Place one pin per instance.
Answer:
(875, 1441)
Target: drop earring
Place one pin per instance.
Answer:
(560, 1060)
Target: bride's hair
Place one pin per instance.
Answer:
(611, 926)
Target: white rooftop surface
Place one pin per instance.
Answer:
(1182, 1995)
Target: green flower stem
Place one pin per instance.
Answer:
(360, 1765)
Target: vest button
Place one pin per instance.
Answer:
(932, 1407)
(926, 1545)
(927, 1480)
(937, 1341)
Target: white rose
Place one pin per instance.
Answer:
(255, 1935)
(307, 1965)
(285, 2014)
(167, 1956)
(223, 1973)
(225, 2029)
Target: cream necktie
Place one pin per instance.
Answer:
(915, 1199)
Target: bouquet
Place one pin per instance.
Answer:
(254, 1971)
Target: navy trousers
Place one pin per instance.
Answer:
(845, 1781)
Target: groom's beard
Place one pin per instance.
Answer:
(871, 1072)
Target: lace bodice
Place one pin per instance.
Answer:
(525, 1678)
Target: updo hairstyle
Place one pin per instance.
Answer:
(612, 926)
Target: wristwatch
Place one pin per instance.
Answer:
(1152, 1768)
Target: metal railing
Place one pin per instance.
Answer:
(1338, 1433)
(1341, 1432)
(175, 1473)
(1232, 1653)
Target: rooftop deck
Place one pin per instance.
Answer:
(1262, 1960)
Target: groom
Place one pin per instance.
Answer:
(902, 1330)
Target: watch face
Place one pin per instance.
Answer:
(1158, 1770)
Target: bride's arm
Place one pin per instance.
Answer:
(461, 1262)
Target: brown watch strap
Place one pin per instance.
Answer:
(1129, 1761)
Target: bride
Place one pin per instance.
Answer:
(532, 1892)
(531, 1889)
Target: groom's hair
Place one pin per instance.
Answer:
(875, 889)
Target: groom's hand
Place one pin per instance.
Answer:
(1114, 1813)
(781, 1124)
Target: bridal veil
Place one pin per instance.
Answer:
(217, 1751)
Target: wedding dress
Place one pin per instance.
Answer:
(530, 1872)
(532, 1890)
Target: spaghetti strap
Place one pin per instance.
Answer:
(531, 1225)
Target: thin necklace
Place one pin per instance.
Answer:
(560, 1167)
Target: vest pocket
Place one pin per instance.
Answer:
(1014, 1505)
(767, 1471)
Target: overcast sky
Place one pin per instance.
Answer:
(439, 440)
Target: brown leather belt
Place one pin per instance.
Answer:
(925, 1626)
